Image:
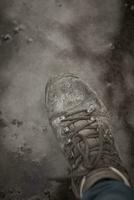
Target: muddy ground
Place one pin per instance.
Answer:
(40, 38)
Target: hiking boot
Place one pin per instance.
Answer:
(81, 124)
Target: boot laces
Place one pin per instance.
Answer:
(77, 147)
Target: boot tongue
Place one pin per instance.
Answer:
(66, 94)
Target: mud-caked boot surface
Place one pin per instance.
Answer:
(81, 124)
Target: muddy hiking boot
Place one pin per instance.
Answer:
(81, 124)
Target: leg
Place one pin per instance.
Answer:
(109, 190)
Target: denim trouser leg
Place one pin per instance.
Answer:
(109, 190)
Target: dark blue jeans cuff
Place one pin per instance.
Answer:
(109, 190)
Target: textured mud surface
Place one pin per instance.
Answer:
(92, 38)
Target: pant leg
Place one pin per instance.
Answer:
(109, 190)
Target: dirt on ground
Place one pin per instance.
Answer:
(91, 38)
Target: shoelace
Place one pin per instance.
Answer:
(79, 142)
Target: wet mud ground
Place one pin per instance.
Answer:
(91, 38)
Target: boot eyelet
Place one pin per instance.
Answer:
(68, 142)
(61, 117)
(110, 135)
(88, 110)
(92, 119)
(91, 109)
(66, 130)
